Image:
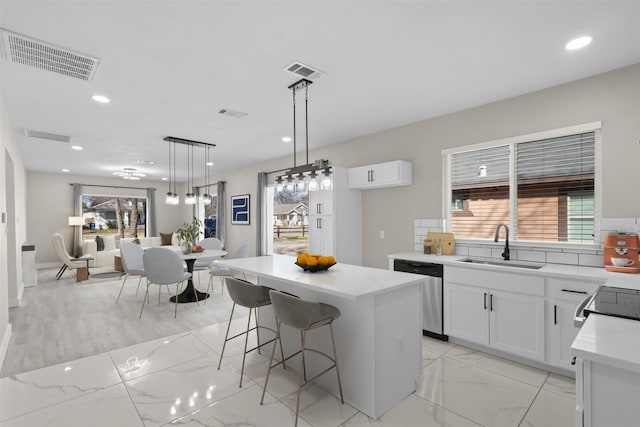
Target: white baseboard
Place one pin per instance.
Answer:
(4, 346)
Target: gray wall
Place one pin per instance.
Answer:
(612, 98)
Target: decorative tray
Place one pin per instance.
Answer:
(315, 268)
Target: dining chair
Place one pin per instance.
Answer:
(68, 261)
(131, 255)
(163, 267)
(223, 272)
(210, 243)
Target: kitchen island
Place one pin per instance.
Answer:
(378, 335)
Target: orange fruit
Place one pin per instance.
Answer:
(332, 260)
(312, 262)
(302, 259)
(323, 260)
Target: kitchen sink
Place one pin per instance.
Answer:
(501, 263)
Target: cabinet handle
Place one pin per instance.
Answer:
(485, 300)
(490, 302)
(369, 175)
(372, 177)
(573, 361)
(555, 314)
(318, 208)
(319, 222)
(574, 292)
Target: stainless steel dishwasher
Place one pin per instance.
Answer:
(432, 298)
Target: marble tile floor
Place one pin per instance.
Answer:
(174, 380)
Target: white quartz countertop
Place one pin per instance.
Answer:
(344, 280)
(593, 274)
(609, 340)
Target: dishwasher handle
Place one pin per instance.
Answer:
(578, 316)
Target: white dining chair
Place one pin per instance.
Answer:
(131, 256)
(210, 243)
(222, 272)
(163, 267)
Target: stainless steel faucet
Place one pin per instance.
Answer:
(505, 254)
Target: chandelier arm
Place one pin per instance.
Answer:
(306, 121)
(293, 91)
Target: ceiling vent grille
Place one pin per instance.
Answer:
(24, 50)
(232, 113)
(45, 135)
(299, 69)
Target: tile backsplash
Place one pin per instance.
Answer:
(587, 256)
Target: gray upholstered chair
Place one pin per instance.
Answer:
(224, 272)
(131, 256)
(68, 261)
(251, 296)
(163, 267)
(304, 316)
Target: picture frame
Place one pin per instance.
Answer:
(240, 209)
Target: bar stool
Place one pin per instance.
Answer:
(252, 296)
(305, 316)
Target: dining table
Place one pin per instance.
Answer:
(190, 293)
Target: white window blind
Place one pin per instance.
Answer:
(543, 189)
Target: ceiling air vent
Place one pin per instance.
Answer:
(24, 50)
(232, 113)
(45, 135)
(299, 69)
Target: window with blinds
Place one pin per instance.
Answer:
(543, 190)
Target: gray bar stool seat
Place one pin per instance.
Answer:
(305, 316)
(252, 296)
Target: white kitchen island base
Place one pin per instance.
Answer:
(378, 335)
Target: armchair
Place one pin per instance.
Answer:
(68, 261)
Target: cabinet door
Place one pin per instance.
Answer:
(359, 177)
(321, 235)
(560, 332)
(517, 324)
(466, 314)
(321, 202)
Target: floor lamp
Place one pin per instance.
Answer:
(75, 221)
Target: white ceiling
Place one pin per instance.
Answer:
(169, 66)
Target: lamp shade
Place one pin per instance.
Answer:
(76, 220)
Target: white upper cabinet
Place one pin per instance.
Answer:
(390, 174)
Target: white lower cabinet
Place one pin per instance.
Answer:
(503, 320)
(563, 298)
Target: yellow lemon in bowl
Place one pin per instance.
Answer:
(302, 259)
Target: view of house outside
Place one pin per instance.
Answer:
(122, 216)
(291, 222)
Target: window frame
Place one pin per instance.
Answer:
(447, 153)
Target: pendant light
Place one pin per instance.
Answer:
(172, 198)
(206, 197)
(298, 178)
(189, 197)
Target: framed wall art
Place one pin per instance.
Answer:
(240, 209)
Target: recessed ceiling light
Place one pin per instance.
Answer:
(286, 139)
(66, 170)
(145, 162)
(101, 99)
(76, 147)
(578, 43)
(164, 179)
(209, 163)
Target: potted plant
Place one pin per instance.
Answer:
(188, 233)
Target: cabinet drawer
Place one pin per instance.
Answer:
(569, 289)
(511, 282)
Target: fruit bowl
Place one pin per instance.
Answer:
(315, 268)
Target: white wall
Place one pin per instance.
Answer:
(50, 203)
(612, 98)
(10, 291)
